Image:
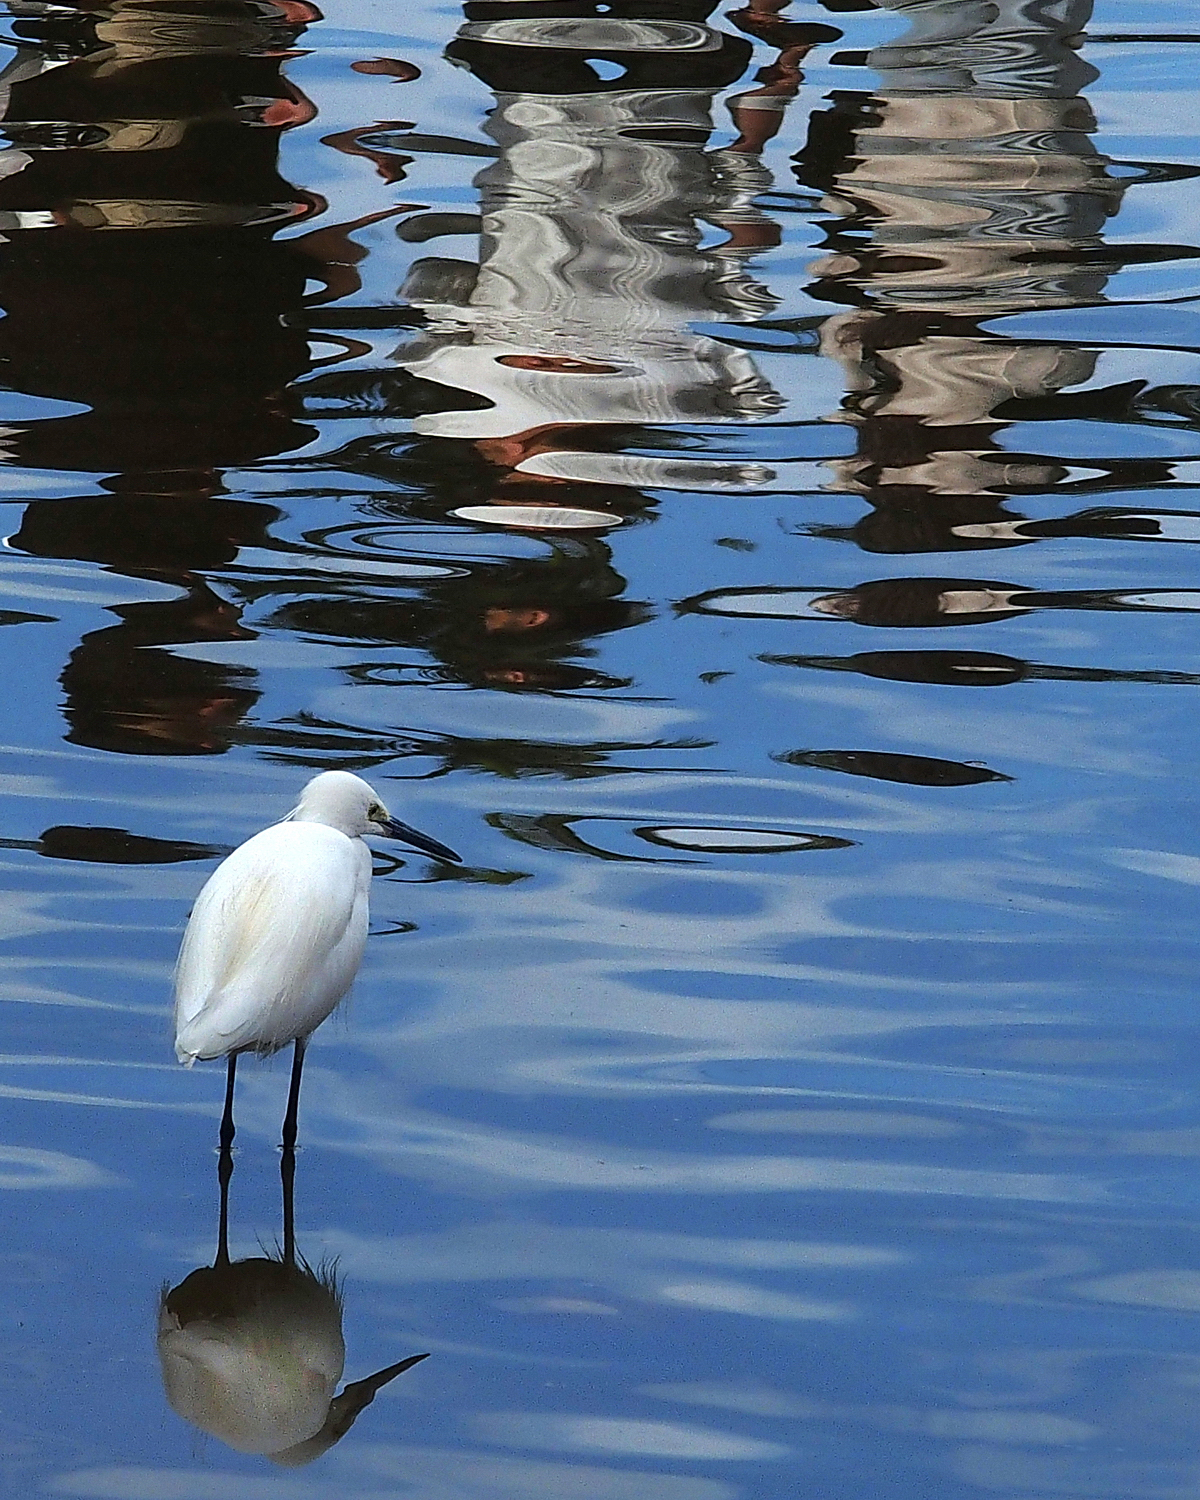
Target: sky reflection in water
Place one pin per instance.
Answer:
(605, 421)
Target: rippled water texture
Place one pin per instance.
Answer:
(736, 479)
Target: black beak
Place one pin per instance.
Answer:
(418, 840)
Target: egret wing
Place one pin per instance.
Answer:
(273, 941)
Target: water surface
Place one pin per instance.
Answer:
(734, 478)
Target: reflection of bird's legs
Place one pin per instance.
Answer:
(287, 1165)
(287, 1172)
(225, 1165)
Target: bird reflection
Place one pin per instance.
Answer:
(251, 1351)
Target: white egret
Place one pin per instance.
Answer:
(277, 934)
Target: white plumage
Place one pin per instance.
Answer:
(276, 936)
(274, 941)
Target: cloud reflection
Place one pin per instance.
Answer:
(424, 1473)
(621, 1435)
(754, 1302)
(23, 1167)
(1022, 1428)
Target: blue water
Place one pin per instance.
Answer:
(739, 485)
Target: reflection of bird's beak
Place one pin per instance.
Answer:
(397, 830)
(343, 1411)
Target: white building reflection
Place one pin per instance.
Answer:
(593, 257)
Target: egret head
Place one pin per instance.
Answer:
(349, 804)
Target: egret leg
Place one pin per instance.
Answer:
(227, 1130)
(287, 1164)
(225, 1165)
(293, 1104)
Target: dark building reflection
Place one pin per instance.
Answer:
(125, 690)
(513, 624)
(965, 187)
(139, 193)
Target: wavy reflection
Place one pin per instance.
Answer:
(592, 266)
(111, 846)
(967, 187)
(308, 740)
(887, 765)
(513, 624)
(922, 603)
(139, 192)
(972, 669)
(124, 690)
(561, 833)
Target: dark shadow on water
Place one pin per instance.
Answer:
(112, 846)
(971, 669)
(885, 765)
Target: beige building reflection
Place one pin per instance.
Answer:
(966, 187)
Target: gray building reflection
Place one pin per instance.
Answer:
(592, 264)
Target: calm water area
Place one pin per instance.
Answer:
(735, 477)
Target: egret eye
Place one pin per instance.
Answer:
(377, 813)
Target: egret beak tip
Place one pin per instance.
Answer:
(418, 840)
